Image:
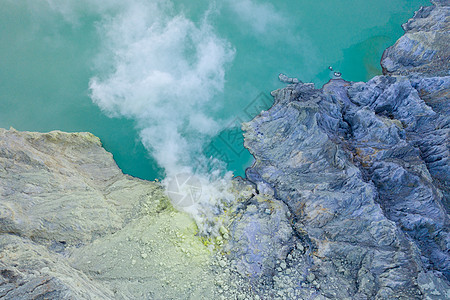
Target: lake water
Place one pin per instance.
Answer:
(166, 84)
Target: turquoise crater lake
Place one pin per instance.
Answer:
(208, 66)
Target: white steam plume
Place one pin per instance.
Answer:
(163, 70)
(262, 18)
(166, 72)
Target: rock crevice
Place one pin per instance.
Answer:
(348, 198)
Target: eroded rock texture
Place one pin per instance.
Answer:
(348, 198)
(73, 226)
(364, 171)
(424, 46)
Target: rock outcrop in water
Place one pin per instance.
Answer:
(361, 172)
(348, 198)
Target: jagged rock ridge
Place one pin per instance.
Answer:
(351, 200)
(73, 226)
(363, 169)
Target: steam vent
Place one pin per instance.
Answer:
(348, 197)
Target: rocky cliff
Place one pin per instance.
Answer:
(348, 198)
(72, 226)
(361, 173)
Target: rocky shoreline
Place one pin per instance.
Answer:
(363, 169)
(348, 198)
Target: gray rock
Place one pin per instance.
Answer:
(53, 185)
(284, 78)
(30, 271)
(259, 238)
(364, 170)
(348, 198)
(424, 46)
(72, 226)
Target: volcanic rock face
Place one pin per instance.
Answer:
(364, 170)
(424, 46)
(348, 198)
(72, 226)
